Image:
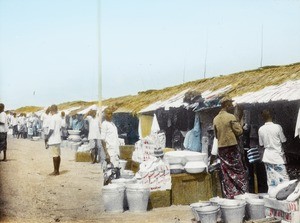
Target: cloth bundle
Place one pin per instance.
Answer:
(285, 192)
(288, 190)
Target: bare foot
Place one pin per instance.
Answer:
(54, 174)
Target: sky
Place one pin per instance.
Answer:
(53, 51)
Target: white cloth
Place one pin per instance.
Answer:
(295, 195)
(155, 126)
(271, 138)
(272, 193)
(94, 129)
(214, 150)
(55, 125)
(3, 119)
(297, 128)
(109, 133)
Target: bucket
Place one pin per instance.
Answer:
(122, 165)
(208, 214)
(75, 145)
(127, 174)
(64, 144)
(255, 209)
(193, 206)
(113, 197)
(233, 213)
(137, 197)
(123, 182)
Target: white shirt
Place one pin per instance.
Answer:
(109, 133)
(46, 120)
(21, 120)
(55, 125)
(63, 122)
(14, 121)
(3, 119)
(94, 129)
(271, 137)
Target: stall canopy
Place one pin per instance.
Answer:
(178, 100)
(287, 91)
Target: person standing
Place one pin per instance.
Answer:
(3, 131)
(64, 131)
(14, 123)
(53, 138)
(271, 140)
(227, 128)
(110, 139)
(94, 137)
(46, 121)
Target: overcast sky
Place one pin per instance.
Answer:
(49, 48)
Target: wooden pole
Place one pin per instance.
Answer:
(99, 61)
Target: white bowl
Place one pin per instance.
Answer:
(174, 157)
(35, 138)
(74, 132)
(195, 167)
(195, 156)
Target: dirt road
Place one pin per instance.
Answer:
(28, 194)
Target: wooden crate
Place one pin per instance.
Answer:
(135, 166)
(216, 184)
(126, 152)
(265, 220)
(83, 157)
(190, 188)
(160, 198)
(128, 164)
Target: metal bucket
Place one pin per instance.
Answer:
(137, 197)
(113, 197)
(233, 213)
(255, 209)
(208, 214)
(122, 165)
(193, 206)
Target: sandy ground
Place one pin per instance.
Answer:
(29, 194)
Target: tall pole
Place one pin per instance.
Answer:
(99, 60)
(205, 59)
(262, 45)
(183, 76)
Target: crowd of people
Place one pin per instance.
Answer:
(228, 128)
(53, 127)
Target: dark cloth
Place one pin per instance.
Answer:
(234, 175)
(3, 141)
(259, 170)
(15, 130)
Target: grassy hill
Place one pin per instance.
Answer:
(242, 82)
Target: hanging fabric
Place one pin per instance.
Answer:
(192, 139)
